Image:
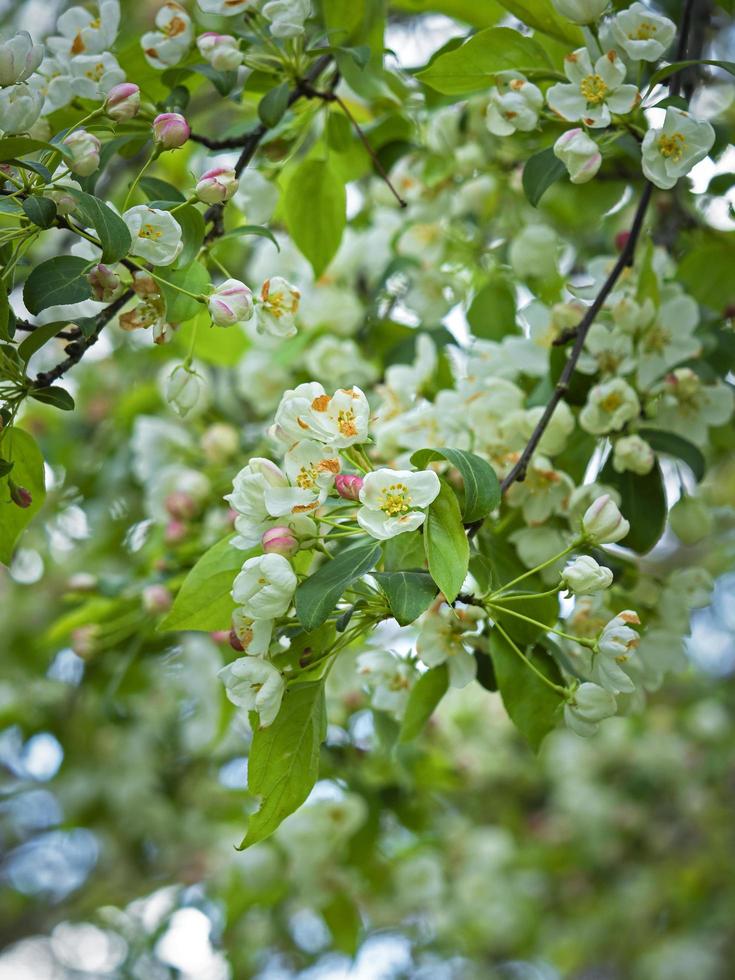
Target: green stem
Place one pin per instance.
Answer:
(532, 571)
(526, 595)
(561, 691)
(547, 629)
(131, 190)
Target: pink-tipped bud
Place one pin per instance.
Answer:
(220, 636)
(123, 101)
(20, 496)
(181, 505)
(217, 185)
(621, 240)
(156, 599)
(348, 485)
(104, 283)
(171, 130)
(280, 541)
(175, 532)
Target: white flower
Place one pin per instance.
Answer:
(514, 104)
(586, 707)
(279, 302)
(584, 576)
(640, 33)
(290, 424)
(287, 16)
(579, 154)
(670, 152)
(168, 45)
(20, 107)
(616, 643)
(156, 234)
(92, 76)
(390, 500)
(581, 11)
(440, 640)
(248, 499)
(231, 302)
(84, 149)
(668, 339)
(227, 8)
(389, 679)
(19, 58)
(222, 51)
(688, 407)
(265, 586)
(183, 389)
(594, 92)
(255, 685)
(631, 453)
(609, 406)
(340, 420)
(544, 491)
(254, 635)
(81, 32)
(53, 83)
(607, 352)
(603, 523)
(311, 468)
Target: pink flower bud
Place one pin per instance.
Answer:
(84, 149)
(20, 496)
(181, 505)
(157, 599)
(175, 532)
(348, 485)
(217, 185)
(104, 283)
(220, 636)
(621, 240)
(280, 541)
(222, 51)
(231, 302)
(171, 130)
(123, 101)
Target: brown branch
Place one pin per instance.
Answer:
(26, 327)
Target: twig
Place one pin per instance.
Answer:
(371, 152)
(26, 327)
(518, 472)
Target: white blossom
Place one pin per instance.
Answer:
(594, 92)
(670, 152)
(514, 104)
(585, 576)
(156, 235)
(587, 707)
(265, 587)
(255, 685)
(639, 33)
(392, 501)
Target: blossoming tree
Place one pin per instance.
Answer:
(419, 374)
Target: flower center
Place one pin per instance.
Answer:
(611, 402)
(644, 32)
(175, 27)
(594, 89)
(672, 146)
(148, 231)
(306, 478)
(96, 73)
(395, 499)
(346, 422)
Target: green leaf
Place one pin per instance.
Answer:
(492, 313)
(111, 229)
(532, 706)
(343, 920)
(643, 504)
(319, 594)
(53, 395)
(19, 146)
(706, 271)
(156, 189)
(204, 601)
(315, 210)
(404, 552)
(481, 487)
(223, 81)
(20, 449)
(425, 695)
(40, 210)
(675, 445)
(4, 312)
(179, 306)
(258, 230)
(192, 234)
(273, 105)
(474, 65)
(283, 763)
(506, 566)
(57, 282)
(38, 337)
(409, 593)
(446, 544)
(540, 15)
(675, 66)
(541, 171)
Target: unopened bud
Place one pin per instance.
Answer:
(219, 442)
(181, 505)
(123, 101)
(171, 130)
(175, 532)
(84, 149)
(104, 283)
(603, 523)
(157, 599)
(20, 496)
(217, 185)
(690, 520)
(348, 485)
(280, 541)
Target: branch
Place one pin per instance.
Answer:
(627, 255)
